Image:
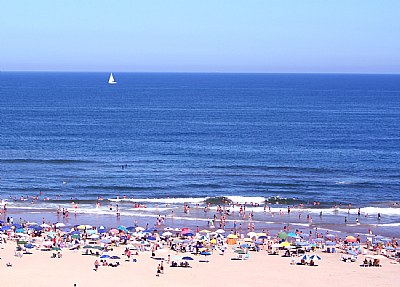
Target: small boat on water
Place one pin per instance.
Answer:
(111, 80)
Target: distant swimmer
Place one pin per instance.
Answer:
(64, 182)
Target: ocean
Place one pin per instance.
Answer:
(155, 141)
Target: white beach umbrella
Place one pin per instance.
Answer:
(60, 224)
(45, 225)
(220, 231)
(139, 228)
(167, 233)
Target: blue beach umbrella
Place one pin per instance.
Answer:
(5, 228)
(20, 230)
(205, 253)
(151, 238)
(292, 234)
(29, 245)
(115, 257)
(104, 256)
(188, 234)
(314, 256)
(102, 230)
(351, 252)
(187, 258)
(17, 226)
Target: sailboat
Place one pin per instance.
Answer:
(111, 80)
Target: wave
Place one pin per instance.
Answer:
(279, 168)
(123, 187)
(388, 224)
(161, 200)
(45, 161)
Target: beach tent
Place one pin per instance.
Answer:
(231, 239)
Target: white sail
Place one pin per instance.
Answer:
(111, 79)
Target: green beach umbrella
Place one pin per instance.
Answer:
(282, 235)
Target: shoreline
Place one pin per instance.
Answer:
(260, 269)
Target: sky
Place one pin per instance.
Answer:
(261, 36)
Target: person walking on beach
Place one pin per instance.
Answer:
(96, 265)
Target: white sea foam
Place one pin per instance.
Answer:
(246, 199)
(162, 200)
(388, 224)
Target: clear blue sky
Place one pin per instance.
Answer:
(201, 36)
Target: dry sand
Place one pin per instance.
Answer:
(39, 269)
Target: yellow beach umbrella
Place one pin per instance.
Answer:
(205, 231)
(213, 241)
(261, 234)
(284, 244)
(232, 236)
(248, 239)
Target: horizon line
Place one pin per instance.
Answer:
(197, 72)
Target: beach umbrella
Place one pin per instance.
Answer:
(187, 258)
(177, 229)
(21, 242)
(35, 227)
(5, 228)
(351, 239)
(314, 256)
(188, 233)
(284, 244)
(29, 245)
(105, 256)
(167, 233)
(20, 230)
(232, 236)
(168, 229)
(240, 251)
(248, 239)
(17, 226)
(245, 245)
(56, 248)
(318, 240)
(151, 238)
(205, 231)
(262, 237)
(115, 257)
(102, 231)
(351, 252)
(177, 258)
(131, 228)
(91, 231)
(205, 253)
(220, 231)
(282, 235)
(45, 225)
(60, 224)
(292, 234)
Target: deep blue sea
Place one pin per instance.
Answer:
(165, 138)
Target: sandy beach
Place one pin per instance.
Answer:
(261, 269)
